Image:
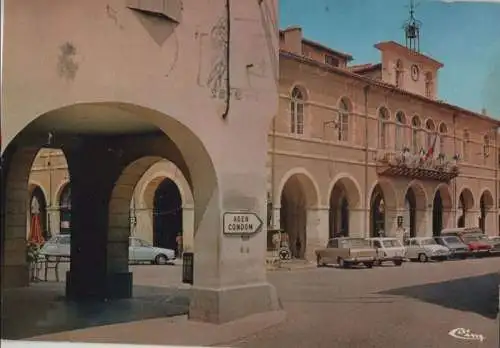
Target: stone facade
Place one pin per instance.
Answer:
(330, 140)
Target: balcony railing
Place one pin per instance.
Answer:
(417, 166)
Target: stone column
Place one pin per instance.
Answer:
(391, 221)
(472, 218)
(188, 228)
(276, 223)
(426, 226)
(356, 223)
(317, 231)
(99, 267)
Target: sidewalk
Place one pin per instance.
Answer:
(170, 331)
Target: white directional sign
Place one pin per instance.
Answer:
(241, 223)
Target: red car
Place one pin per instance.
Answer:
(477, 245)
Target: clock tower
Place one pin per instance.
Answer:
(405, 66)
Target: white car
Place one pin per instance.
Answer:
(138, 251)
(388, 249)
(424, 249)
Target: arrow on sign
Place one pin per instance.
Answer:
(241, 223)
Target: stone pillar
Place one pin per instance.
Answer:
(188, 228)
(276, 223)
(472, 218)
(99, 266)
(491, 228)
(391, 221)
(356, 225)
(230, 278)
(426, 226)
(317, 231)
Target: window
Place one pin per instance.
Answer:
(428, 84)
(399, 73)
(465, 146)
(383, 118)
(486, 146)
(343, 122)
(297, 112)
(431, 129)
(331, 60)
(400, 127)
(415, 123)
(443, 130)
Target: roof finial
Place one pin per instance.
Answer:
(412, 29)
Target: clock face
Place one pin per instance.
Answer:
(415, 72)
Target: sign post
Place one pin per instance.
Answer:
(241, 223)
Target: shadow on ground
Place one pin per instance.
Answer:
(477, 294)
(42, 309)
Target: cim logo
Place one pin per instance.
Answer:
(466, 334)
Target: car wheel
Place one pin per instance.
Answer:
(161, 259)
(422, 258)
(398, 262)
(368, 264)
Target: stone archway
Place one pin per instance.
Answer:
(297, 196)
(415, 204)
(486, 216)
(344, 203)
(167, 215)
(465, 204)
(441, 209)
(146, 215)
(383, 206)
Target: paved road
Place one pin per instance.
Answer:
(415, 305)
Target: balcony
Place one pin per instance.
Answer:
(417, 166)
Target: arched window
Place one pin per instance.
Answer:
(465, 145)
(65, 210)
(431, 130)
(400, 130)
(428, 85)
(416, 127)
(486, 146)
(343, 121)
(398, 73)
(297, 111)
(443, 130)
(383, 118)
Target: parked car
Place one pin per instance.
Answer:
(388, 249)
(346, 252)
(424, 249)
(473, 237)
(458, 249)
(495, 244)
(138, 251)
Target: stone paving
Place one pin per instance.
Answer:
(415, 305)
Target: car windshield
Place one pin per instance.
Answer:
(427, 241)
(388, 243)
(355, 243)
(451, 240)
(469, 239)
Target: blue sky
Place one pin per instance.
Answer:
(464, 36)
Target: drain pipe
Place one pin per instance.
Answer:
(228, 59)
(366, 90)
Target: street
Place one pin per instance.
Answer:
(415, 305)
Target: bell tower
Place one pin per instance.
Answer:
(412, 30)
